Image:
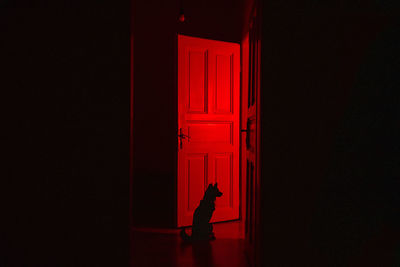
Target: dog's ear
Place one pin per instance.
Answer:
(215, 185)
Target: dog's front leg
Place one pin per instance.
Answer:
(210, 228)
(211, 234)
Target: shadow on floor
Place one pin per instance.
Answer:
(157, 247)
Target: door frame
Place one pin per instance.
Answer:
(176, 106)
(253, 24)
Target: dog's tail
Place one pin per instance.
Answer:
(185, 237)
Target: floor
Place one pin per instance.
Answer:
(163, 247)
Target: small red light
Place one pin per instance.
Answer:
(181, 17)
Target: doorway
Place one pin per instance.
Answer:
(208, 126)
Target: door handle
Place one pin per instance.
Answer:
(248, 131)
(182, 136)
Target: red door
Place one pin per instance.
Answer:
(208, 121)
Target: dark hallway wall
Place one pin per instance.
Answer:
(65, 84)
(155, 101)
(312, 61)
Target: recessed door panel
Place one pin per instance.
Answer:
(196, 179)
(224, 178)
(197, 93)
(210, 132)
(224, 83)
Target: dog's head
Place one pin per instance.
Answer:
(212, 192)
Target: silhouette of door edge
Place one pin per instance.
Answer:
(251, 122)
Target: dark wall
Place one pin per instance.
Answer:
(65, 87)
(312, 64)
(155, 101)
(358, 210)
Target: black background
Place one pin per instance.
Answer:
(65, 86)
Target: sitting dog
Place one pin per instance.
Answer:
(202, 228)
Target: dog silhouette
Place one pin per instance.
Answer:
(202, 229)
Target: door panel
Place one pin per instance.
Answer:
(223, 85)
(206, 133)
(224, 177)
(196, 177)
(197, 91)
(208, 120)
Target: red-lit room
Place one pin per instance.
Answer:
(259, 97)
(214, 133)
(200, 127)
